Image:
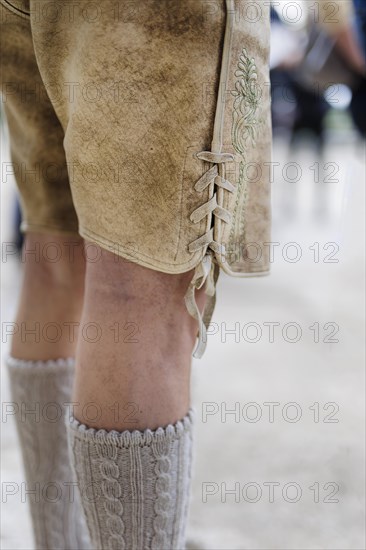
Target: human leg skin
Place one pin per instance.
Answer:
(52, 294)
(131, 439)
(41, 371)
(142, 354)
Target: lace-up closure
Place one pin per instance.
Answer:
(204, 272)
(213, 175)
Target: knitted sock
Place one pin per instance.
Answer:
(134, 485)
(40, 391)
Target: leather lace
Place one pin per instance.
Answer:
(204, 272)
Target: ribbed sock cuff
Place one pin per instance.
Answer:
(38, 366)
(129, 438)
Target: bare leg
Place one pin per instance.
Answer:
(142, 354)
(139, 456)
(41, 371)
(52, 293)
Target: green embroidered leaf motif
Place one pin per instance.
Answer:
(247, 96)
(244, 130)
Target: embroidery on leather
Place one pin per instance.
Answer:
(244, 130)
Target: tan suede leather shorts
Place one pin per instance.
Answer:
(144, 126)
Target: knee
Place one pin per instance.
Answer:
(155, 300)
(128, 282)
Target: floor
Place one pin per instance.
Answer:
(279, 394)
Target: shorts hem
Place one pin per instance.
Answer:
(139, 257)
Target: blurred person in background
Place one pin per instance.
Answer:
(311, 55)
(359, 94)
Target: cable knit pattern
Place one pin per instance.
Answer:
(162, 489)
(140, 481)
(111, 492)
(40, 390)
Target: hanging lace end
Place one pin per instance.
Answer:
(203, 275)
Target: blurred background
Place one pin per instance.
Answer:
(281, 386)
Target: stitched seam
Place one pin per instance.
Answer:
(87, 233)
(14, 9)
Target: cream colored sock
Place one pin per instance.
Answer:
(135, 485)
(39, 392)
